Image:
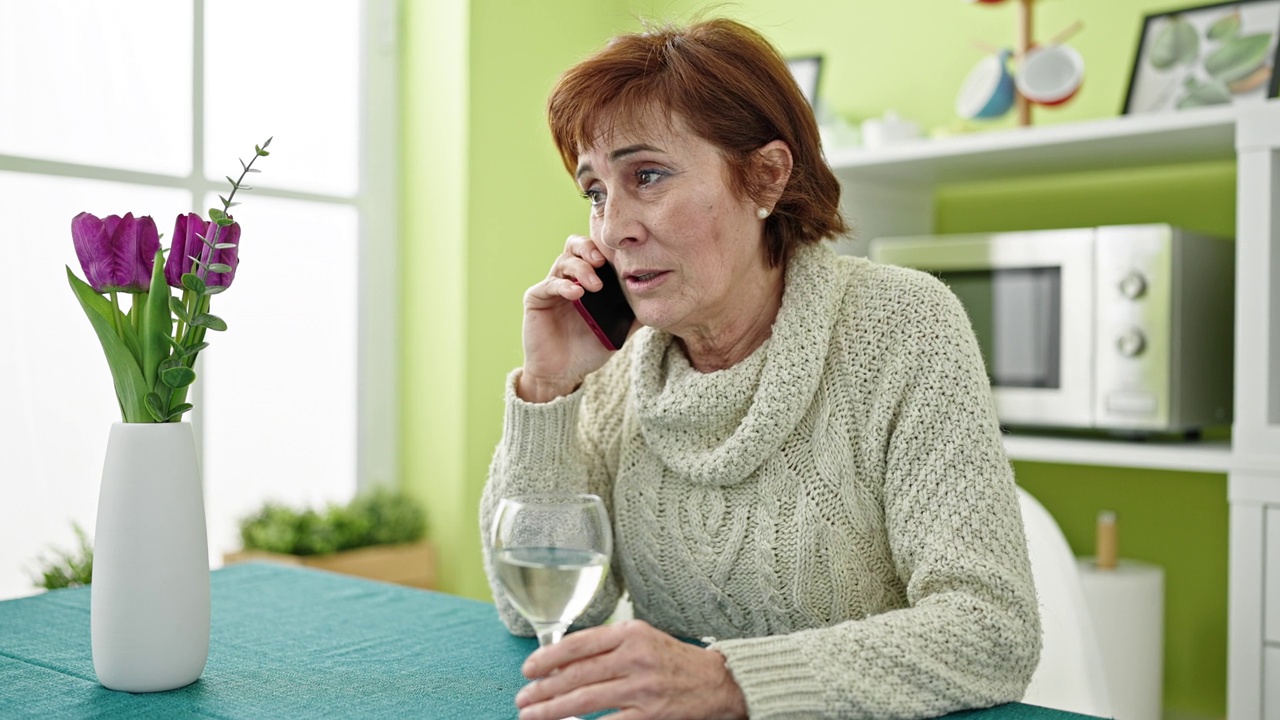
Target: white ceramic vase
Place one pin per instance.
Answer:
(149, 610)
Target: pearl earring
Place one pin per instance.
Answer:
(762, 213)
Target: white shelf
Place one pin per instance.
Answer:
(1194, 457)
(1122, 142)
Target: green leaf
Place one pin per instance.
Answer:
(1176, 42)
(1225, 27)
(155, 406)
(192, 282)
(130, 385)
(205, 320)
(224, 246)
(174, 344)
(260, 151)
(233, 182)
(1212, 92)
(195, 348)
(215, 289)
(131, 341)
(216, 214)
(178, 377)
(224, 222)
(219, 268)
(156, 322)
(1238, 58)
(176, 307)
(178, 411)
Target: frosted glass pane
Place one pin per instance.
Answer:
(290, 72)
(97, 83)
(57, 399)
(279, 386)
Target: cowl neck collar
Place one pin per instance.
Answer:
(717, 428)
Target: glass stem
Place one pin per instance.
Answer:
(549, 634)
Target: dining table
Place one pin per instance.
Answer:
(292, 642)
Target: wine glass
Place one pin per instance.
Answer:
(551, 551)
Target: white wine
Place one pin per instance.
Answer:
(549, 585)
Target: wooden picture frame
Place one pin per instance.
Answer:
(1216, 54)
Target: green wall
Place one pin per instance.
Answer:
(487, 206)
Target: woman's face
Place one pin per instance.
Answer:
(662, 212)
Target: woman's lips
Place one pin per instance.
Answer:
(642, 280)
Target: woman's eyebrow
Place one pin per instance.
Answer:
(616, 154)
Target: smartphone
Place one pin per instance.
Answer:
(606, 310)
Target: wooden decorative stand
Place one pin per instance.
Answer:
(1026, 32)
(412, 564)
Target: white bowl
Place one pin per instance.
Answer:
(1050, 75)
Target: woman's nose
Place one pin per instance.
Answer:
(619, 225)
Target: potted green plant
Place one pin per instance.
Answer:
(67, 569)
(379, 535)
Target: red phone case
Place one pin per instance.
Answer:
(582, 310)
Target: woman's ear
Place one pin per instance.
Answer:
(775, 166)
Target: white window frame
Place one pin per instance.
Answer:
(376, 201)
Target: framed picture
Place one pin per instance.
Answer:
(1215, 54)
(807, 71)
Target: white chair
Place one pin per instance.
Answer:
(1070, 675)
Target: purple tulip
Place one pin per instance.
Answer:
(116, 253)
(187, 230)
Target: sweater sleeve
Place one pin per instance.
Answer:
(548, 447)
(970, 636)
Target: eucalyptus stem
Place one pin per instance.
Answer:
(202, 272)
(227, 202)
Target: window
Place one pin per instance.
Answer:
(144, 106)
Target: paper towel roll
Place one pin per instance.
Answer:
(1127, 608)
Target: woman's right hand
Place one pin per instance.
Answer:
(559, 348)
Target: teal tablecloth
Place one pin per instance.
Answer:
(292, 642)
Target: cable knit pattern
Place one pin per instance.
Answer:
(837, 508)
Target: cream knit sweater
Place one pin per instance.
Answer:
(837, 509)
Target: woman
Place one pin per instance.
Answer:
(798, 451)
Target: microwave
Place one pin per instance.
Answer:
(1125, 328)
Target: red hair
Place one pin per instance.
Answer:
(731, 88)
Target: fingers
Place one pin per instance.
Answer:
(581, 701)
(579, 261)
(584, 247)
(551, 291)
(575, 646)
(630, 667)
(571, 275)
(569, 678)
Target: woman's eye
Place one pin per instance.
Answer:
(647, 177)
(595, 196)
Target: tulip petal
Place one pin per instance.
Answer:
(130, 238)
(186, 243)
(148, 244)
(121, 253)
(89, 235)
(177, 251)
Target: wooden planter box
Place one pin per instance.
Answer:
(412, 564)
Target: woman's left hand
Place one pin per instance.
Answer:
(632, 667)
